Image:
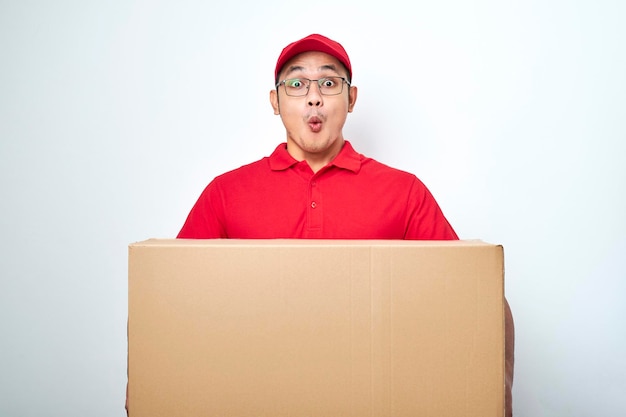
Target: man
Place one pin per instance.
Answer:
(315, 185)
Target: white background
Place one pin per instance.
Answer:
(115, 114)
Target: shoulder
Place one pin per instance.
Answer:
(278, 160)
(367, 166)
(373, 167)
(246, 171)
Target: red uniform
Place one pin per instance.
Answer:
(353, 197)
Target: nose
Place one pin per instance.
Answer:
(314, 95)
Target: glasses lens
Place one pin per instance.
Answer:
(331, 86)
(297, 86)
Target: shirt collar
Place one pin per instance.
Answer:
(347, 158)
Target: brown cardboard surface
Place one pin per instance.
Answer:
(252, 328)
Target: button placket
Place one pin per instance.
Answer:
(315, 212)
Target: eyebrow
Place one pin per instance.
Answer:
(327, 67)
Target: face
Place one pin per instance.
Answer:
(314, 122)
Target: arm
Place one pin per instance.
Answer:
(509, 357)
(425, 219)
(126, 404)
(205, 220)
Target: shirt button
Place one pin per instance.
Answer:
(313, 204)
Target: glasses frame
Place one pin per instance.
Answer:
(343, 80)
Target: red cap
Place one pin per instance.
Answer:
(313, 42)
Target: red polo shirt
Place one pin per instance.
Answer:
(353, 197)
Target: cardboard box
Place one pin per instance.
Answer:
(315, 328)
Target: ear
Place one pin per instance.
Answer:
(352, 93)
(274, 101)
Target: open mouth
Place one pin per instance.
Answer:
(315, 123)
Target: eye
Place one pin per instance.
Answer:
(327, 82)
(294, 83)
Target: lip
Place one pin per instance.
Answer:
(315, 123)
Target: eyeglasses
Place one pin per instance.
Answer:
(299, 87)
